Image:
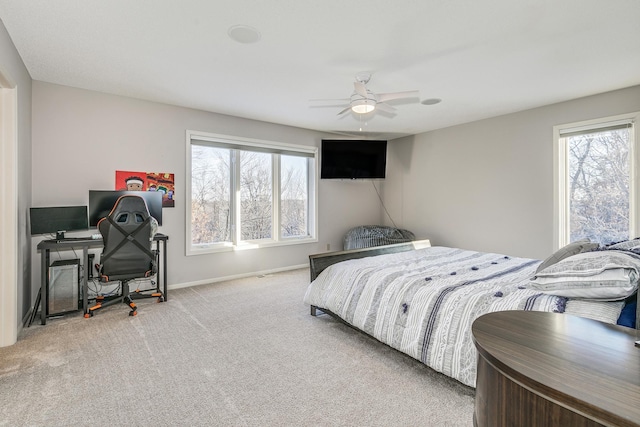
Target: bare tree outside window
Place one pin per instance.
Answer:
(256, 194)
(599, 185)
(210, 195)
(294, 200)
(248, 193)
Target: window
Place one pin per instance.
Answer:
(294, 196)
(595, 187)
(256, 195)
(247, 193)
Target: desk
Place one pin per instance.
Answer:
(552, 369)
(46, 246)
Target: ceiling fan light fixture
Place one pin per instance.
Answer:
(362, 106)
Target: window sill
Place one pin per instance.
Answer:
(244, 246)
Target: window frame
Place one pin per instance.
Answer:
(561, 167)
(250, 144)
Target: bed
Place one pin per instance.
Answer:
(422, 300)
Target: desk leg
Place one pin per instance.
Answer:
(44, 284)
(85, 280)
(164, 268)
(158, 253)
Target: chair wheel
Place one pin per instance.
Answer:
(133, 313)
(160, 299)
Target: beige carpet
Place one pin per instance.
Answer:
(238, 353)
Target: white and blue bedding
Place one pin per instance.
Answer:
(423, 302)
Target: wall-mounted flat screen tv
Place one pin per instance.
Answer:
(353, 159)
(101, 202)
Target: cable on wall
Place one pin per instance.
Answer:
(383, 206)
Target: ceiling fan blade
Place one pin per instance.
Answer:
(360, 89)
(345, 110)
(382, 97)
(385, 107)
(330, 100)
(334, 105)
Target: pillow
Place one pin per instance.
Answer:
(608, 275)
(626, 245)
(572, 248)
(602, 311)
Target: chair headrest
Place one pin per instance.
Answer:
(130, 203)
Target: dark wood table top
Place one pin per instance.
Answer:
(590, 367)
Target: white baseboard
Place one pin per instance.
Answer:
(236, 276)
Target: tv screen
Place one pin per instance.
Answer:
(353, 159)
(58, 219)
(101, 202)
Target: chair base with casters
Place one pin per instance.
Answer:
(125, 297)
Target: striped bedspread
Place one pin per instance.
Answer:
(423, 302)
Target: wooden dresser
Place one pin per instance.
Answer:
(550, 369)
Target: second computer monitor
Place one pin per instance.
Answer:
(101, 202)
(57, 219)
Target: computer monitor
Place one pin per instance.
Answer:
(58, 219)
(101, 202)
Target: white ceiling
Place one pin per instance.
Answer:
(483, 58)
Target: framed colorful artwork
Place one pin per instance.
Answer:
(148, 181)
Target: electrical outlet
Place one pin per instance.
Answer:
(328, 246)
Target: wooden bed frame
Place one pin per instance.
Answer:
(319, 262)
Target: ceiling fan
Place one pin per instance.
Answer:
(364, 101)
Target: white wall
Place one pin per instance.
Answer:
(485, 185)
(13, 68)
(80, 138)
(488, 185)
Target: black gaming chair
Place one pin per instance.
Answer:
(127, 253)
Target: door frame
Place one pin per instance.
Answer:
(8, 211)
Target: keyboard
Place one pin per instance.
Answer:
(74, 239)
